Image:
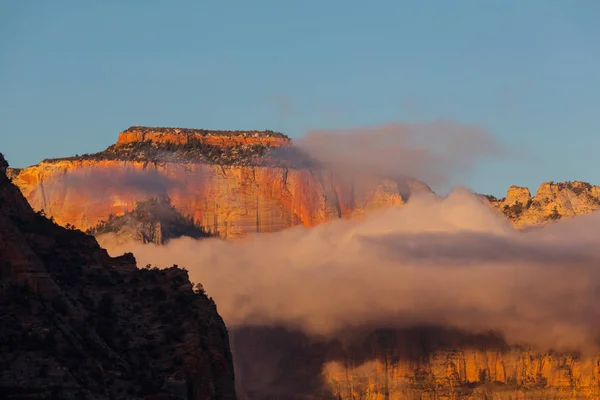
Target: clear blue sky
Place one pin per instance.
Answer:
(75, 73)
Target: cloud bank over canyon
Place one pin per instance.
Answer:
(440, 153)
(450, 262)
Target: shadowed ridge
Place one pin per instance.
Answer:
(76, 323)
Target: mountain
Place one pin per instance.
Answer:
(78, 324)
(232, 183)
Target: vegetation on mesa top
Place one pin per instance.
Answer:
(198, 151)
(577, 187)
(205, 132)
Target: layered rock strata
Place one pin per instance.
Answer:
(232, 185)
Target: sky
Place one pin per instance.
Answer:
(74, 74)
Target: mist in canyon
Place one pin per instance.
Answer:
(450, 262)
(450, 268)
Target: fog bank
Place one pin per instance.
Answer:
(450, 262)
(440, 153)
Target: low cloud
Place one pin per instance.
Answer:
(441, 153)
(132, 180)
(451, 262)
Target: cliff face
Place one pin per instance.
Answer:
(152, 221)
(410, 364)
(232, 183)
(78, 324)
(468, 374)
(180, 136)
(552, 201)
(229, 189)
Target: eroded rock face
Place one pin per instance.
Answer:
(468, 373)
(230, 189)
(152, 221)
(416, 363)
(138, 134)
(79, 324)
(235, 183)
(552, 201)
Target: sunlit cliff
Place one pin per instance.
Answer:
(414, 364)
(232, 184)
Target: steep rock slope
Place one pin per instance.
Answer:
(421, 363)
(154, 220)
(233, 183)
(78, 324)
(552, 201)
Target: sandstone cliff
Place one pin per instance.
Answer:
(552, 201)
(78, 324)
(411, 364)
(181, 136)
(232, 184)
(154, 220)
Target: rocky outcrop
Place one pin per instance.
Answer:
(233, 183)
(181, 136)
(231, 191)
(154, 220)
(78, 324)
(408, 364)
(468, 374)
(552, 201)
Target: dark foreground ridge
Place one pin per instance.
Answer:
(78, 324)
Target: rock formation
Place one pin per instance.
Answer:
(78, 324)
(424, 363)
(552, 201)
(232, 183)
(154, 220)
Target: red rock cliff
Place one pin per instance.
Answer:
(181, 136)
(220, 179)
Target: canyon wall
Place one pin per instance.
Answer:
(468, 373)
(79, 324)
(425, 363)
(229, 198)
(230, 184)
(229, 201)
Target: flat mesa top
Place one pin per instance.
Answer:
(221, 147)
(203, 132)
